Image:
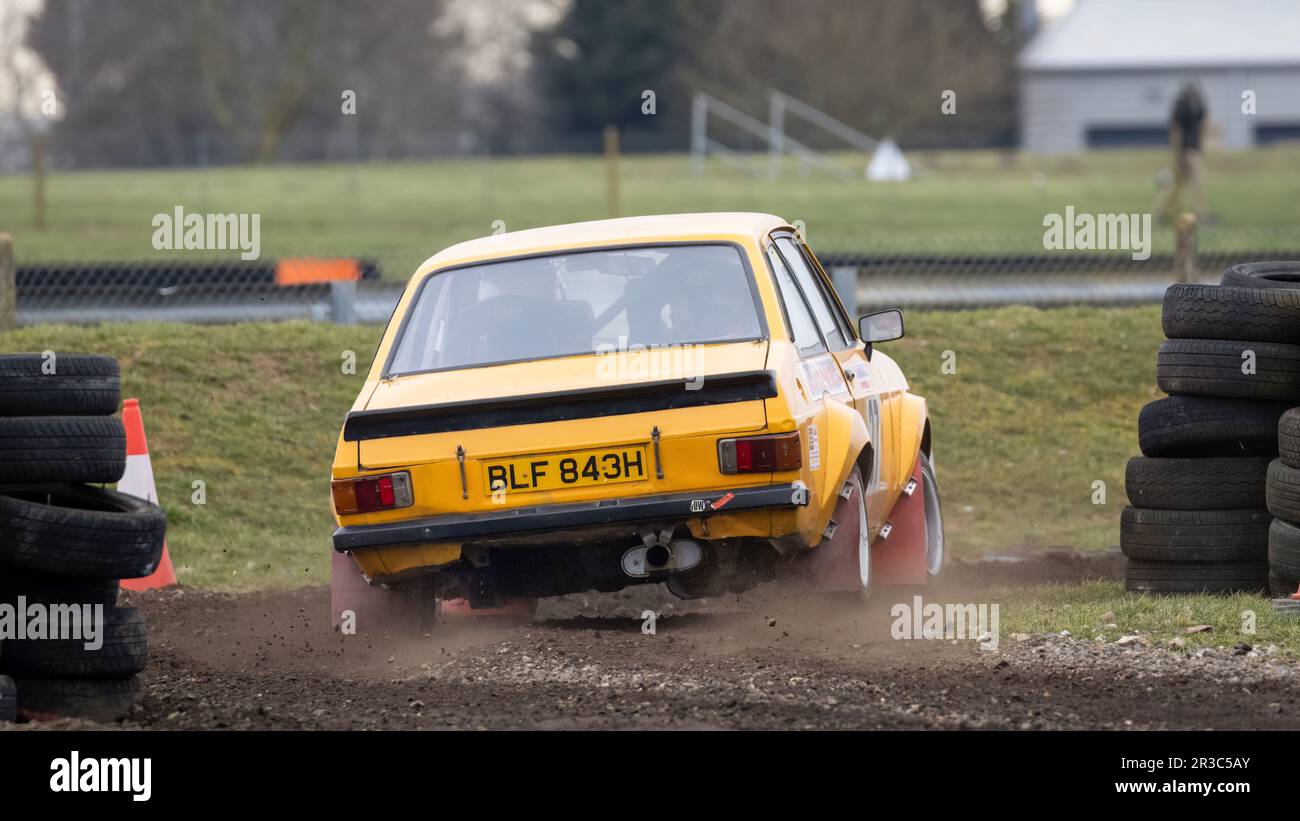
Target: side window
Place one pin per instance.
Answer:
(847, 325)
(811, 283)
(807, 337)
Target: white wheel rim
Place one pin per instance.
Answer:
(933, 521)
(864, 538)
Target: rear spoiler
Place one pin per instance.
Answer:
(584, 403)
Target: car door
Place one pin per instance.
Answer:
(867, 388)
(819, 377)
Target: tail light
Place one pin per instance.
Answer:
(760, 454)
(369, 493)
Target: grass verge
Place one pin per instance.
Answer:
(1101, 610)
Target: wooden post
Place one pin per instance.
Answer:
(611, 168)
(38, 180)
(699, 132)
(1185, 248)
(8, 285)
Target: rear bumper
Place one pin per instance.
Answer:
(559, 517)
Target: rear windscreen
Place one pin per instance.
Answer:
(577, 303)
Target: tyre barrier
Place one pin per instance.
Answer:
(1215, 494)
(65, 543)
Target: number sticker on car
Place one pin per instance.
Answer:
(556, 471)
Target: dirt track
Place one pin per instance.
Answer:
(767, 660)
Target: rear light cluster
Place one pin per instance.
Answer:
(370, 493)
(760, 454)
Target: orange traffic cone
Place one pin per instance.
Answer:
(138, 482)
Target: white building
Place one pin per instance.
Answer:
(1106, 73)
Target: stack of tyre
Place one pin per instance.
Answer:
(65, 543)
(1202, 492)
(1284, 503)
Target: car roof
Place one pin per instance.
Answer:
(729, 226)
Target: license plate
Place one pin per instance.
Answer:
(556, 471)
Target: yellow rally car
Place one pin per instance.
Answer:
(677, 399)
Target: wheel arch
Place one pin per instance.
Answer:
(914, 435)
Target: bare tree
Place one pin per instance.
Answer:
(170, 81)
(27, 102)
(23, 80)
(881, 65)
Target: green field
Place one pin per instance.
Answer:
(400, 213)
(1042, 404)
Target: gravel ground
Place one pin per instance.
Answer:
(771, 659)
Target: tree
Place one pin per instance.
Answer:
(178, 81)
(27, 102)
(879, 65)
(594, 65)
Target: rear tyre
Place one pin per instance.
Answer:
(1195, 577)
(62, 449)
(1194, 535)
(1196, 426)
(417, 604)
(1216, 367)
(1262, 275)
(1222, 483)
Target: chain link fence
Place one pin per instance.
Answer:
(365, 288)
(335, 289)
(1043, 280)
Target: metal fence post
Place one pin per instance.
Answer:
(1185, 248)
(8, 285)
(845, 280)
(343, 302)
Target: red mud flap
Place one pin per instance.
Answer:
(366, 605)
(834, 562)
(899, 558)
(896, 559)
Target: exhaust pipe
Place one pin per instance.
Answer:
(660, 559)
